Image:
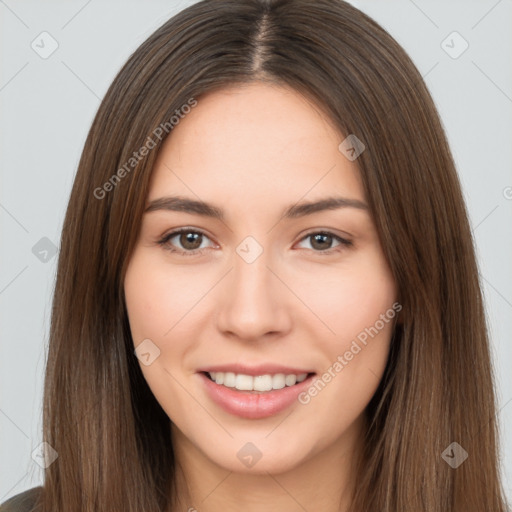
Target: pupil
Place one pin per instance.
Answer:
(193, 238)
(187, 238)
(318, 237)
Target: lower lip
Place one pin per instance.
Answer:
(252, 405)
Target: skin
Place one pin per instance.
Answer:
(254, 150)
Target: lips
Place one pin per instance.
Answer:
(261, 369)
(254, 404)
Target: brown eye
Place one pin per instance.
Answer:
(187, 242)
(322, 242)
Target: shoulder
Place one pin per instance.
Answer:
(23, 502)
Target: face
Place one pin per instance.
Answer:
(260, 297)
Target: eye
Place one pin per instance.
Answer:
(322, 240)
(191, 241)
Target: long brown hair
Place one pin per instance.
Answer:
(111, 435)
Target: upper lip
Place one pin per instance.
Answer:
(260, 369)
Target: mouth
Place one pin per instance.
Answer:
(256, 384)
(255, 396)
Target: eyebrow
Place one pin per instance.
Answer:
(192, 206)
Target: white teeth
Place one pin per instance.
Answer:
(244, 382)
(229, 379)
(278, 381)
(262, 383)
(290, 380)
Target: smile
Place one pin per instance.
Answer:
(261, 383)
(255, 396)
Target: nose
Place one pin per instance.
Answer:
(253, 300)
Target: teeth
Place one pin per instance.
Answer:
(290, 380)
(244, 382)
(259, 383)
(262, 383)
(229, 380)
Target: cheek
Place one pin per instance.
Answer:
(359, 309)
(155, 304)
(163, 305)
(349, 298)
(156, 297)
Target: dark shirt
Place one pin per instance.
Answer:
(23, 502)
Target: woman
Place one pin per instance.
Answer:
(324, 345)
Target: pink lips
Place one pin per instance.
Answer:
(261, 369)
(250, 404)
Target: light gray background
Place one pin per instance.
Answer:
(47, 106)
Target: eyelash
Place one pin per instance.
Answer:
(164, 242)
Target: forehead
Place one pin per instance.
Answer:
(256, 142)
